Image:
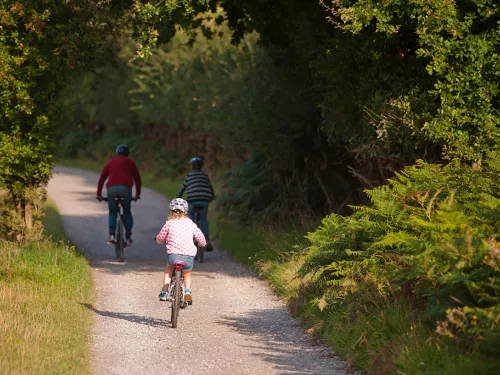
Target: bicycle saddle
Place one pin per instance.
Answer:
(179, 263)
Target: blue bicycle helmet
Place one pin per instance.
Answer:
(196, 162)
(122, 149)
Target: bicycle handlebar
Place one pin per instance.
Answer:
(105, 199)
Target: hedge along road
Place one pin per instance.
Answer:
(235, 326)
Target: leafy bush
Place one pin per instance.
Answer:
(431, 236)
(105, 145)
(458, 42)
(248, 191)
(168, 163)
(74, 144)
(82, 144)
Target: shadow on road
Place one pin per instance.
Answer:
(87, 225)
(145, 255)
(277, 344)
(129, 317)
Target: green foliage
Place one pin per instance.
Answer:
(41, 44)
(431, 235)
(74, 144)
(25, 159)
(257, 196)
(207, 99)
(327, 113)
(459, 41)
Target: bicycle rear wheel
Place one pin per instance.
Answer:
(176, 303)
(119, 240)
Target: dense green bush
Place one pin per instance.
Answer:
(83, 144)
(42, 45)
(432, 236)
(457, 44)
(74, 144)
(244, 201)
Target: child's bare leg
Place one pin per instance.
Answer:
(187, 279)
(167, 276)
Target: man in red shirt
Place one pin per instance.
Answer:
(122, 173)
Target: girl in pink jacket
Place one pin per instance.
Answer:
(178, 233)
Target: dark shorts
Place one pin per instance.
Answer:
(185, 258)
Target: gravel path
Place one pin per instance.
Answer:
(235, 326)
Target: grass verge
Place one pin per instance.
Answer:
(44, 290)
(377, 336)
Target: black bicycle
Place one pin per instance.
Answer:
(120, 243)
(200, 253)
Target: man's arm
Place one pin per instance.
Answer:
(102, 178)
(137, 178)
(183, 187)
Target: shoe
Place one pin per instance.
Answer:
(209, 247)
(128, 242)
(111, 239)
(162, 296)
(187, 296)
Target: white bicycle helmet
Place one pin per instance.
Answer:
(178, 204)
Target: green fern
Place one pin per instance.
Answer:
(433, 226)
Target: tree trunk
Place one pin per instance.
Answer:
(28, 215)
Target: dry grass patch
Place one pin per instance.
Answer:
(44, 324)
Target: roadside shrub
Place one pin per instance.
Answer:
(81, 144)
(430, 236)
(249, 192)
(74, 144)
(168, 163)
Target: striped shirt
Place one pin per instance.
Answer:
(198, 188)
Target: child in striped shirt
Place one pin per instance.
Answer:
(199, 193)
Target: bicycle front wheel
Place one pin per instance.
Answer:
(176, 303)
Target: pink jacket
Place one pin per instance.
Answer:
(178, 235)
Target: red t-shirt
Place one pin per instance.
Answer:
(120, 170)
